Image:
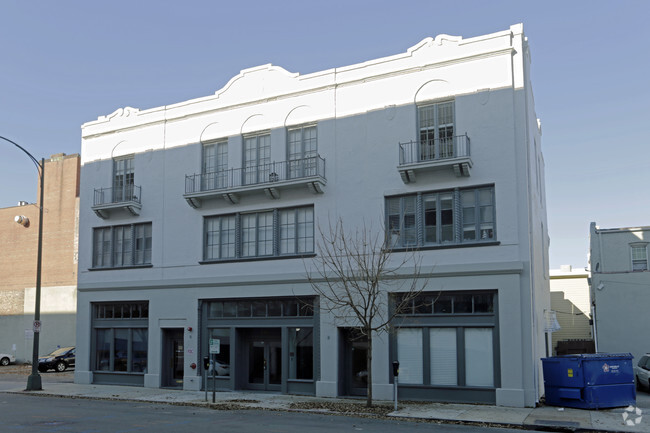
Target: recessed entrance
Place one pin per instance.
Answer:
(264, 359)
(172, 358)
(354, 372)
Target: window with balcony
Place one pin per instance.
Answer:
(123, 176)
(302, 152)
(639, 257)
(444, 217)
(436, 126)
(257, 158)
(214, 165)
(122, 246)
(278, 232)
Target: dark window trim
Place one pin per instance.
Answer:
(255, 259)
(114, 268)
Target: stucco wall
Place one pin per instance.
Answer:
(362, 112)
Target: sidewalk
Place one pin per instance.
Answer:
(546, 417)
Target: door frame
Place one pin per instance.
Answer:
(168, 337)
(346, 345)
(268, 342)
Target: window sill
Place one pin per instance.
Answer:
(446, 246)
(256, 259)
(121, 268)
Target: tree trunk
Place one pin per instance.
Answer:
(369, 368)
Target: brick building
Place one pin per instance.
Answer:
(18, 255)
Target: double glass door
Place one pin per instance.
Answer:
(265, 363)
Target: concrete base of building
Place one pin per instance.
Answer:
(192, 383)
(83, 377)
(510, 397)
(152, 381)
(326, 389)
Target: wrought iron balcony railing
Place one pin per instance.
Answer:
(108, 196)
(265, 174)
(434, 150)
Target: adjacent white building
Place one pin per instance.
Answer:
(198, 220)
(620, 283)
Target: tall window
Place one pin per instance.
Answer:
(639, 257)
(461, 215)
(258, 234)
(296, 230)
(257, 158)
(123, 179)
(215, 165)
(302, 150)
(436, 125)
(122, 246)
(220, 237)
(301, 353)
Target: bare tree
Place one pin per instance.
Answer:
(354, 273)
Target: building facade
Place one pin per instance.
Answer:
(619, 287)
(18, 256)
(199, 222)
(571, 303)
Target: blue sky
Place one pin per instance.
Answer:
(67, 62)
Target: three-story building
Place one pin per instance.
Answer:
(199, 220)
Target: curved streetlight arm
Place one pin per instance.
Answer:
(34, 160)
(34, 382)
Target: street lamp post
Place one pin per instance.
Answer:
(34, 379)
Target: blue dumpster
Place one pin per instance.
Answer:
(590, 381)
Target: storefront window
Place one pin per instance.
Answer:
(120, 351)
(301, 353)
(222, 367)
(121, 336)
(139, 350)
(479, 369)
(409, 353)
(103, 351)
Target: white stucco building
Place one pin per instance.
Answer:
(620, 283)
(198, 219)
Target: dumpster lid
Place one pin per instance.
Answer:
(593, 356)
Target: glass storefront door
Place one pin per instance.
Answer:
(265, 361)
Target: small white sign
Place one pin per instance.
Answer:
(37, 326)
(29, 334)
(215, 346)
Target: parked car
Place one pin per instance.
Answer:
(221, 368)
(58, 360)
(6, 359)
(642, 372)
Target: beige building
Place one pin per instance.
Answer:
(571, 303)
(18, 256)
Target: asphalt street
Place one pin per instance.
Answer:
(36, 414)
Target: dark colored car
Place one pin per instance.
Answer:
(58, 360)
